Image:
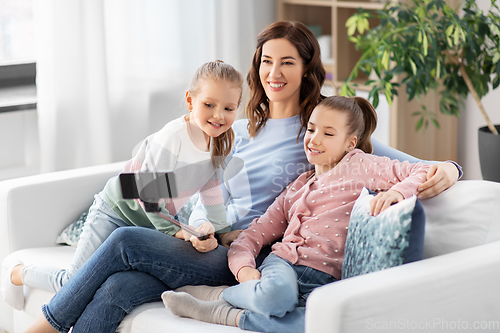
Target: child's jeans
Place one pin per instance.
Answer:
(283, 288)
(101, 222)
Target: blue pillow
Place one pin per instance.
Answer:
(393, 238)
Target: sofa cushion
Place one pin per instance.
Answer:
(392, 238)
(465, 215)
(154, 317)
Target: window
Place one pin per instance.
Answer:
(17, 56)
(17, 43)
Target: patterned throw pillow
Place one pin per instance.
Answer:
(392, 238)
(185, 212)
(71, 234)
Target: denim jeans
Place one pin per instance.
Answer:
(118, 295)
(101, 222)
(276, 302)
(113, 281)
(134, 266)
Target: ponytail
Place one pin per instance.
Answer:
(370, 124)
(361, 118)
(221, 147)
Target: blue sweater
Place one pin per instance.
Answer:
(261, 167)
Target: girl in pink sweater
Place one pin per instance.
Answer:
(311, 217)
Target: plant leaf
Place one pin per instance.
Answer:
(435, 122)
(363, 25)
(351, 25)
(496, 81)
(456, 36)
(496, 56)
(388, 92)
(418, 126)
(385, 59)
(346, 90)
(413, 67)
(449, 30)
(375, 100)
(425, 45)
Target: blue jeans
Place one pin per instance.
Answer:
(133, 266)
(276, 302)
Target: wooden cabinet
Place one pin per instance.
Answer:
(328, 17)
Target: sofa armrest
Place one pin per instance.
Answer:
(35, 209)
(450, 292)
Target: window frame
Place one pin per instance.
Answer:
(17, 86)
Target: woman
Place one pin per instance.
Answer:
(135, 265)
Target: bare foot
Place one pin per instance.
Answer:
(15, 275)
(41, 325)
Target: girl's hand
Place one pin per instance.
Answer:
(248, 273)
(440, 177)
(227, 238)
(200, 245)
(204, 245)
(383, 200)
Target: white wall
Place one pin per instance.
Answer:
(469, 122)
(18, 144)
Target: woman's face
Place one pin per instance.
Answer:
(281, 71)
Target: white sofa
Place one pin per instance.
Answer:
(457, 285)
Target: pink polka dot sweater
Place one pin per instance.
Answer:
(312, 213)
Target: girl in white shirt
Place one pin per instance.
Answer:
(193, 146)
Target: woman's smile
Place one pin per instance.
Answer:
(276, 86)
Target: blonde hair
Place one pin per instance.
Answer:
(218, 71)
(361, 118)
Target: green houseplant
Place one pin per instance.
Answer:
(427, 45)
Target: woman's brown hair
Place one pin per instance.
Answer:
(257, 109)
(361, 118)
(218, 71)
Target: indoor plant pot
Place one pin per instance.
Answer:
(489, 153)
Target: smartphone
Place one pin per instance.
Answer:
(148, 186)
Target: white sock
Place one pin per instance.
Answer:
(12, 294)
(216, 312)
(203, 293)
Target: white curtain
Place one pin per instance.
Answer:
(110, 72)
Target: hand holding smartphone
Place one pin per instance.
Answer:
(149, 187)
